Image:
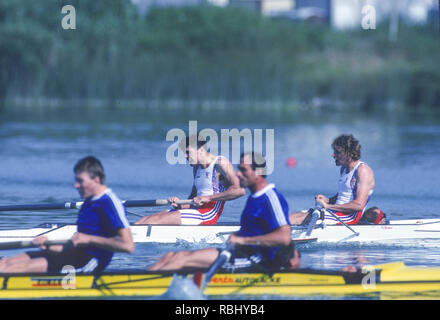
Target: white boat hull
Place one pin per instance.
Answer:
(396, 230)
(217, 234)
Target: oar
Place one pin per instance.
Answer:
(312, 223)
(29, 244)
(221, 259)
(337, 218)
(153, 203)
(77, 205)
(44, 206)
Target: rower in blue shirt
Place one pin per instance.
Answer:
(264, 238)
(102, 230)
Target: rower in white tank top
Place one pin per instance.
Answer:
(355, 186)
(215, 182)
(207, 183)
(206, 180)
(347, 186)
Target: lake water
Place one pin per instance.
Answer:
(39, 149)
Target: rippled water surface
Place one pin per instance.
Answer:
(38, 153)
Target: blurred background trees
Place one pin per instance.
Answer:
(202, 53)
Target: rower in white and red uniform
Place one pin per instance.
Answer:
(355, 187)
(214, 183)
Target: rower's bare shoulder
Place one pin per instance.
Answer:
(226, 172)
(365, 174)
(224, 165)
(365, 169)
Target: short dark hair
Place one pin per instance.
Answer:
(185, 143)
(257, 160)
(92, 166)
(349, 145)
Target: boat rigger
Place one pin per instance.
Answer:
(387, 279)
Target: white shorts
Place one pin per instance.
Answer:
(205, 215)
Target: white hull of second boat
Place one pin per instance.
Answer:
(396, 230)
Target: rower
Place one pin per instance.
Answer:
(102, 229)
(214, 183)
(264, 236)
(356, 184)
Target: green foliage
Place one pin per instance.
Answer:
(206, 53)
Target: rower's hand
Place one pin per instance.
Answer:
(201, 200)
(321, 197)
(322, 200)
(235, 239)
(80, 239)
(173, 202)
(323, 203)
(40, 241)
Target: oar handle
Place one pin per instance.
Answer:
(153, 203)
(29, 244)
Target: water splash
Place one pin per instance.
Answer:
(182, 288)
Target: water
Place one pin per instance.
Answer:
(38, 151)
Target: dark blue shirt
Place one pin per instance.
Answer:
(102, 216)
(265, 211)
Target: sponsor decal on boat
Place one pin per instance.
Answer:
(45, 282)
(67, 281)
(245, 280)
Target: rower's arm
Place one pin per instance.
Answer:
(40, 240)
(364, 185)
(280, 236)
(234, 190)
(193, 192)
(122, 242)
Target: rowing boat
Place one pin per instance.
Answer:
(388, 279)
(216, 234)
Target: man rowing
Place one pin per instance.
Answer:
(102, 230)
(356, 184)
(214, 183)
(264, 236)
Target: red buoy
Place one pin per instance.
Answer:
(291, 162)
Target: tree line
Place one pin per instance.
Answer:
(206, 53)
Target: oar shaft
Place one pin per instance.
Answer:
(152, 203)
(77, 205)
(315, 217)
(29, 244)
(342, 222)
(222, 258)
(41, 206)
